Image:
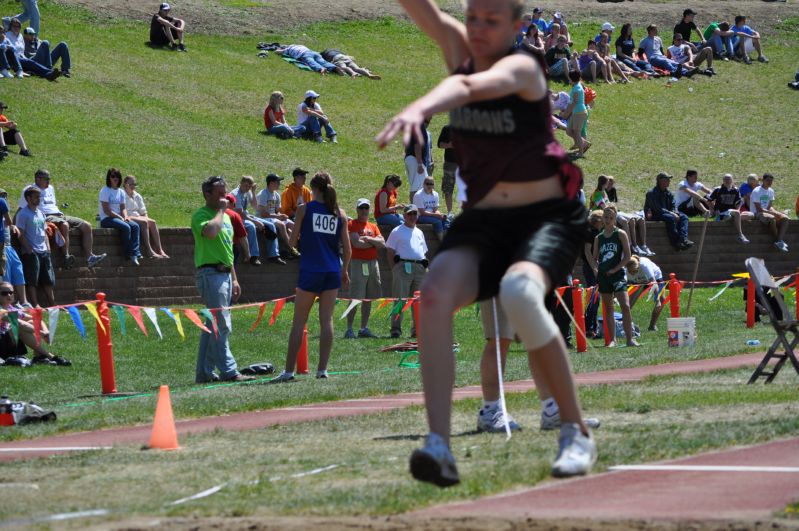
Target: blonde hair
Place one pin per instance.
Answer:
(274, 101)
(610, 207)
(633, 264)
(595, 216)
(248, 179)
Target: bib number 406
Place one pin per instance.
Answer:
(326, 224)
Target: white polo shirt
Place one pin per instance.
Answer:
(407, 243)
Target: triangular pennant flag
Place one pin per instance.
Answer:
(353, 304)
(75, 314)
(37, 324)
(150, 313)
(561, 291)
(135, 311)
(741, 275)
(92, 308)
(383, 304)
(278, 306)
(722, 290)
(261, 308)
(397, 309)
(194, 318)
(176, 318)
(407, 305)
(120, 313)
(13, 320)
(53, 314)
(209, 315)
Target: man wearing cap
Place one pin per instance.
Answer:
(216, 281)
(295, 194)
(543, 27)
(30, 12)
(608, 28)
(687, 26)
(661, 206)
(167, 30)
(36, 261)
(365, 282)
(406, 249)
(268, 206)
(11, 135)
(39, 51)
(652, 46)
(311, 115)
(49, 206)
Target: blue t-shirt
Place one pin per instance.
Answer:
(320, 235)
(577, 95)
(652, 46)
(543, 27)
(743, 29)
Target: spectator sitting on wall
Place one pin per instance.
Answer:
(40, 52)
(661, 206)
(49, 206)
(295, 194)
(137, 211)
(690, 200)
(241, 243)
(746, 192)
(427, 201)
(726, 201)
(114, 215)
(763, 202)
(245, 197)
(167, 30)
(268, 201)
(386, 206)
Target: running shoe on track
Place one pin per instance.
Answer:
(577, 452)
(434, 463)
(552, 422)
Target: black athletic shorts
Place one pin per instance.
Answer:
(550, 233)
(10, 137)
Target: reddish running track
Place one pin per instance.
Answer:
(657, 494)
(47, 446)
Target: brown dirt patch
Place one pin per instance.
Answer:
(405, 523)
(262, 17)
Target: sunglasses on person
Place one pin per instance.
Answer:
(6, 293)
(429, 183)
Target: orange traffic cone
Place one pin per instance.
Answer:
(302, 355)
(164, 436)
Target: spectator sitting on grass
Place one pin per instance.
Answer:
(275, 119)
(148, 228)
(589, 63)
(726, 201)
(11, 135)
(311, 115)
(533, 41)
(347, 63)
(652, 48)
(719, 37)
(311, 59)
(603, 49)
(114, 215)
(268, 201)
(536, 20)
(295, 194)
(686, 26)
(49, 206)
(17, 42)
(625, 51)
(39, 51)
(557, 59)
(12, 272)
(36, 259)
(26, 332)
(9, 63)
(763, 202)
(167, 30)
(681, 54)
(661, 206)
(30, 12)
(690, 200)
(745, 40)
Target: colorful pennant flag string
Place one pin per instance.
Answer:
(75, 315)
(150, 313)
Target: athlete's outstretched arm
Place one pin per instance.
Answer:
(449, 33)
(514, 74)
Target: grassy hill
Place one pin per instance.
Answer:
(172, 119)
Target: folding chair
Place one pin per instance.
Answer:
(762, 281)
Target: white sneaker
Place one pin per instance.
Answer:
(434, 463)
(321, 375)
(20, 74)
(781, 245)
(648, 251)
(493, 421)
(577, 452)
(552, 422)
(743, 239)
(283, 377)
(5, 73)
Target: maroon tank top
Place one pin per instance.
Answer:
(507, 140)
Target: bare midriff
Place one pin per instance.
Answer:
(513, 194)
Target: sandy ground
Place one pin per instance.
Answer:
(403, 523)
(275, 16)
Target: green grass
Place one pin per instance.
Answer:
(142, 364)
(369, 453)
(172, 119)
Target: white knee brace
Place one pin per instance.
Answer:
(522, 298)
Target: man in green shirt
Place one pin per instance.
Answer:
(719, 36)
(216, 281)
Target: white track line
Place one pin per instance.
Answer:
(706, 468)
(56, 449)
(203, 494)
(56, 517)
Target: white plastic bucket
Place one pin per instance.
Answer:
(682, 331)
